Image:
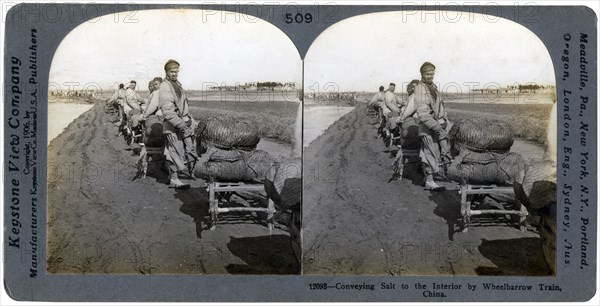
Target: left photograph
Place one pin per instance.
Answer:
(174, 146)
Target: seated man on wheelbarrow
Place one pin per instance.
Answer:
(152, 115)
(433, 127)
(115, 103)
(153, 140)
(391, 108)
(399, 126)
(178, 126)
(374, 106)
(132, 106)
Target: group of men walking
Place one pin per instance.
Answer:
(168, 105)
(424, 108)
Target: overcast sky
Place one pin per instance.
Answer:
(363, 52)
(106, 52)
(359, 53)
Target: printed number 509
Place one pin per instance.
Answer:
(298, 18)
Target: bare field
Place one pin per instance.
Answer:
(275, 119)
(526, 114)
(528, 121)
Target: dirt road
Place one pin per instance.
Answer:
(100, 220)
(357, 221)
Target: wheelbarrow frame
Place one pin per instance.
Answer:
(214, 188)
(467, 191)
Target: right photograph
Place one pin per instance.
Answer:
(429, 147)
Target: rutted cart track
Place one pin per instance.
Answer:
(357, 221)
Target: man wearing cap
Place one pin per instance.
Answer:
(392, 101)
(391, 109)
(402, 125)
(117, 100)
(152, 108)
(152, 115)
(132, 98)
(376, 101)
(433, 126)
(408, 112)
(410, 109)
(177, 125)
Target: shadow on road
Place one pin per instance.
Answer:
(157, 170)
(263, 255)
(195, 205)
(521, 256)
(448, 207)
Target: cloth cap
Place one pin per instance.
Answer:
(392, 84)
(171, 64)
(427, 66)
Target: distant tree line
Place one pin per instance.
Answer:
(516, 88)
(533, 87)
(269, 84)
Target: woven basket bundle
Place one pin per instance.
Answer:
(480, 136)
(234, 165)
(487, 168)
(538, 188)
(284, 184)
(228, 133)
